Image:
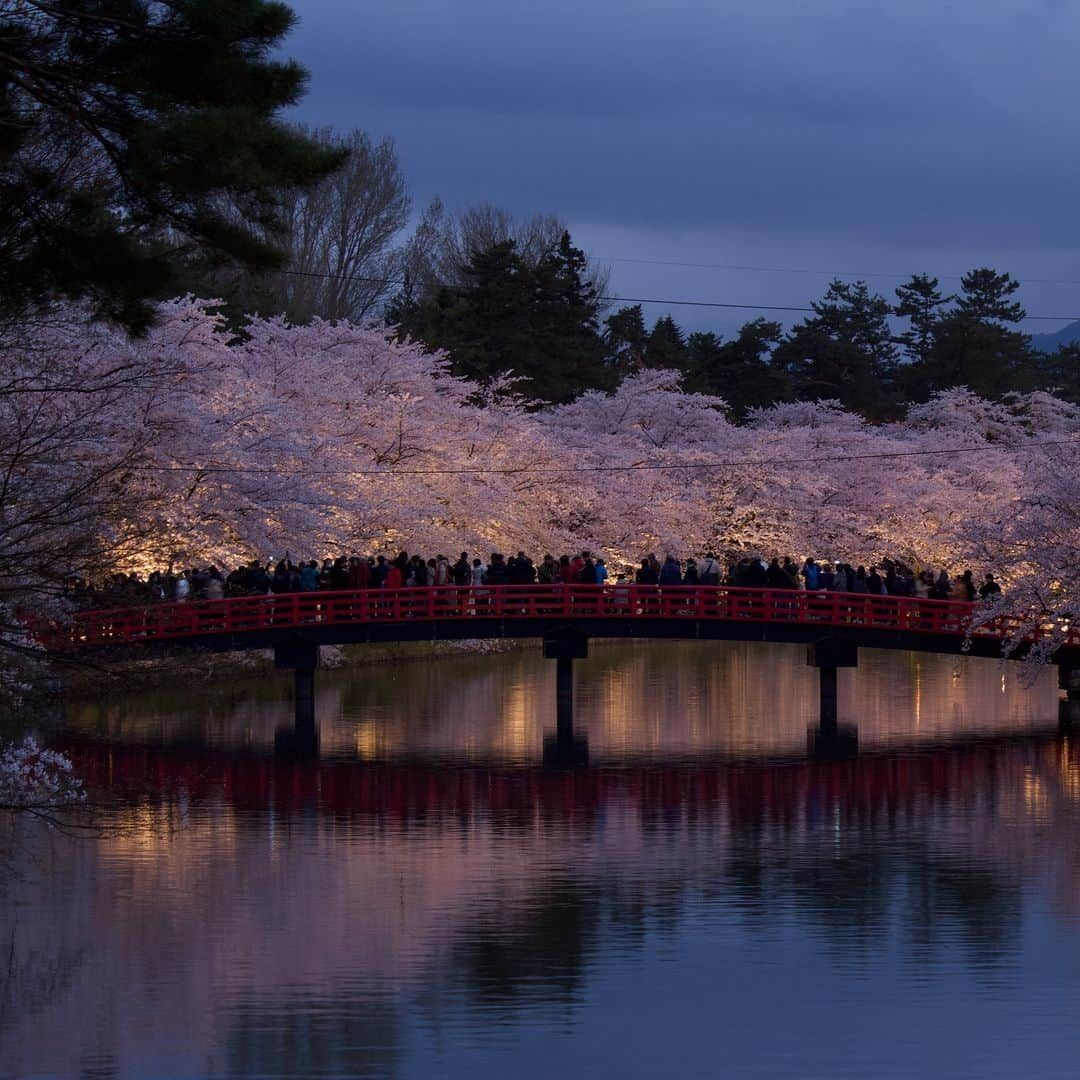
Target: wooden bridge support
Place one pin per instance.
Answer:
(1069, 684)
(830, 739)
(302, 658)
(564, 648)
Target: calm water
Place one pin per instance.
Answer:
(426, 900)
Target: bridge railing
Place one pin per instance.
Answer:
(199, 618)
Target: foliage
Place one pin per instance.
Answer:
(341, 261)
(845, 351)
(37, 781)
(665, 347)
(444, 244)
(738, 370)
(536, 321)
(625, 338)
(966, 344)
(133, 132)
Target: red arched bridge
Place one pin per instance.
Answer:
(513, 611)
(834, 625)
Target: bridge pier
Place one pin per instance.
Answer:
(1069, 706)
(830, 739)
(565, 748)
(302, 658)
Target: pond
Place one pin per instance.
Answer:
(427, 899)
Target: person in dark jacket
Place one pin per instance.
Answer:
(462, 571)
(670, 572)
(547, 573)
(379, 572)
(967, 582)
(646, 575)
(496, 571)
(776, 578)
(756, 575)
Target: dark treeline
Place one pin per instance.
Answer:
(543, 320)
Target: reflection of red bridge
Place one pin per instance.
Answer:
(538, 610)
(415, 791)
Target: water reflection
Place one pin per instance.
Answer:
(632, 698)
(699, 914)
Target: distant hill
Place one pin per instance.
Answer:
(1050, 342)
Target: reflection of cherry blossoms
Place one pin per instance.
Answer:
(37, 781)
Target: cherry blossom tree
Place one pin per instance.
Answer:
(38, 782)
(191, 446)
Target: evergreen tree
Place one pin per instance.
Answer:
(568, 355)
(538, 322)
(845, 351)
(1058, 372)
(625, 339)
(666, 346)
(985, 297)
(970, 346)
(134, 131)
(737, 371)
(919, 301)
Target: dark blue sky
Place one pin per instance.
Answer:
(837, 137)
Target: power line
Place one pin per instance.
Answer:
(776, 307)
(572, 469)
(809, 270)
(702, 303)
(648, 300)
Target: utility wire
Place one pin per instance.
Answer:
(809, 270)
(572, 469)
(644, 300)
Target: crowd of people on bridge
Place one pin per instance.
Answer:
(286, 575)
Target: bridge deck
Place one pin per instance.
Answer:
(707, 612)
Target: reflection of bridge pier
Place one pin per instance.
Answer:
(1069, 684)
(830, 739)
(564, 647)
(302, 658)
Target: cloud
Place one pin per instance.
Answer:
(895, 126)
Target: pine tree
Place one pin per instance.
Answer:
(844, 352)
(970, 346)
(985, 297)
(537, 322)
(919, 301)
(738, 370)
(568, 355)
(625, 338)
(133, 132)
(666, 346)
